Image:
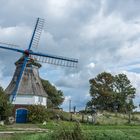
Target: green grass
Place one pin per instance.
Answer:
(91, 132)
(54, 125)
(42, 136)
(3, 128)
(112, 132)
(102, 132)
(108, 127)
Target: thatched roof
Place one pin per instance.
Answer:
(30, 83)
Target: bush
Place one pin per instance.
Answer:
(134, 118)
(68, 133)
(37, 113)
(53, 113)
(5, 106)
(107, 115)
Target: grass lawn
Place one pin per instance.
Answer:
(112, 132)
(91, 132)
(103, 132)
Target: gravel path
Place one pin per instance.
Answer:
(11, 129)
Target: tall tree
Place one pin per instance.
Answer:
(101, 90)
(55, 97)
(110, 92)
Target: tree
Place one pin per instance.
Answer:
(124, 92)
(110, 92)
(55, 97)
(101, 91)
(5, 106)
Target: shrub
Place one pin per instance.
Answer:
(5, 106)
(134, 118)
(37, 113)
(53, 113)
(69, 133)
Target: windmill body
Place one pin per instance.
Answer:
(30, 90)
(26, 88)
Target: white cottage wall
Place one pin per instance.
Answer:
(30, 100)
(41, 100)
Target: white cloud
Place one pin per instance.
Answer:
(57, 8)
(18, 35)
(67, 98)
(102, 34)
(91, 65)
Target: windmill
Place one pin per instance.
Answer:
(28, 55)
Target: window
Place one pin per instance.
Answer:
(40, 99)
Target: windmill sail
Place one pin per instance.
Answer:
(55, 60)
(37, 32)
(19, 79)
(34, 41)
(11, 47)
(45, 58)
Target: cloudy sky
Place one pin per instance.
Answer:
(103, 34)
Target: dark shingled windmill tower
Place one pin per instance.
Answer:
(26, 88)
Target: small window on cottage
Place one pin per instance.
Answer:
(40, 99)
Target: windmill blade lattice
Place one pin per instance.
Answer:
(56, 60)
(39, 28)
(11, 47)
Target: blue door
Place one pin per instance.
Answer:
(21, 115)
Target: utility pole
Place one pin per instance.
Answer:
(70, 106)
(74, 109)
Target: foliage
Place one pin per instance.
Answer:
(111, 93)
(55, 97)
(125, 93)
(37, 113)
(53, 113)
(69, 133)
(5, 106)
